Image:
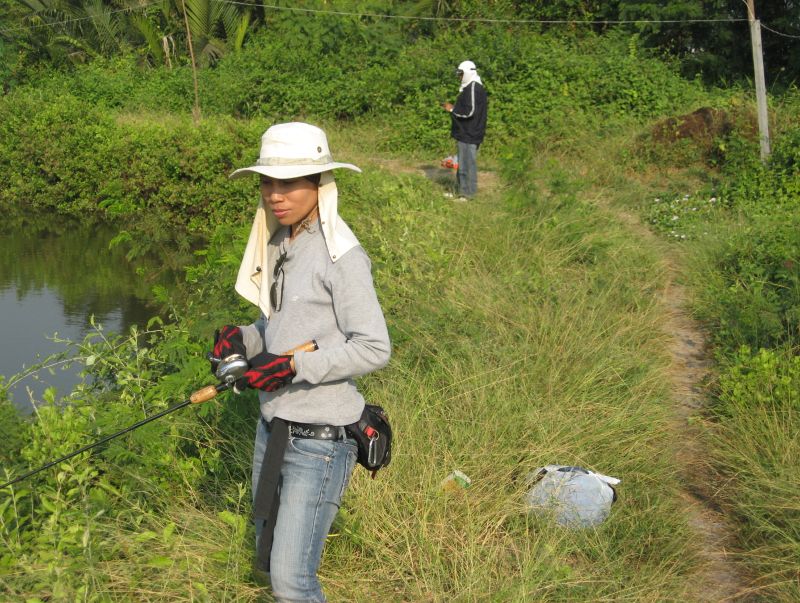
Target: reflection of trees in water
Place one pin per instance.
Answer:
(75, 262)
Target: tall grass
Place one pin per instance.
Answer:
(526, 332)
(545, 352)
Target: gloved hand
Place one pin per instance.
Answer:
(268, 372)
(227, 340)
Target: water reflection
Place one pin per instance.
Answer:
(53, 279)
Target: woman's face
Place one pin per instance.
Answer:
(290, 200)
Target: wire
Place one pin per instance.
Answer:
(480, 19)
(785, 35)
(52, 23)
(410, 18)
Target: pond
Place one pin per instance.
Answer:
(54, 281)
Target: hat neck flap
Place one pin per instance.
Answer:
(255, 279)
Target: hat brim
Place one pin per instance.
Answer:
(287, 172)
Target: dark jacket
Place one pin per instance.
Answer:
(469, 114)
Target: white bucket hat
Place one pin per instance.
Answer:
(293, 150)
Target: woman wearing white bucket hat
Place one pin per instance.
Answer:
(307, 273)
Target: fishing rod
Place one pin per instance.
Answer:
(229, 369)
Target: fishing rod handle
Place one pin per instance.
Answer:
(308, 346)
(209, 392)
(204, 394)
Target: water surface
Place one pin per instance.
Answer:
(53, 280)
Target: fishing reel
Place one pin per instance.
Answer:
(230, 368)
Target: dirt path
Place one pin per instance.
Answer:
(718, 578)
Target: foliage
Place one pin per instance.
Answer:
(708, 36)
(756, 449)
(163, 511)
(86, 162)
(530, 313)
(757, 297)
(536, 84)
(74, 31)
(754, 298)
(745, 252)
(764, 378)
(682, 216)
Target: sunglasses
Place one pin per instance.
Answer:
(276, 291)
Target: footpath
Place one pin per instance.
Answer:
(718, 578)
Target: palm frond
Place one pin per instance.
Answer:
(76, 43)
(212, 51)
(37, 6)
(151, 34)
(237, 41)
(228, 16)
(105, 23)
(198, 13)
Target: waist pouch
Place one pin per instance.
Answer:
(373, 436)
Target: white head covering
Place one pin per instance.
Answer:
(290, 151)
(469, 74)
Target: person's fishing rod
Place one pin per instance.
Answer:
(228, 370)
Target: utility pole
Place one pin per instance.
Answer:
(758, 71)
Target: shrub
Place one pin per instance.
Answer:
(769, 378)
(84, 161)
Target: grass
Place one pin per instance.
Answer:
(527, 330)
(540, 344)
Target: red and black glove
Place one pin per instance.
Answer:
(227, 340)
(268, 372)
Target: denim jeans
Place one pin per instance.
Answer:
(467, 169)
(314, 476)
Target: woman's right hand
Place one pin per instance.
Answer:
(268, 372)
(227, 340)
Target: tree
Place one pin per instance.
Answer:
(78, 30)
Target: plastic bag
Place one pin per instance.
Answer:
(575, 496)
(451, 162)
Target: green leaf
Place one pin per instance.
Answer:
(159, 561)
(47, 505)
(166, 533)
(145, 536)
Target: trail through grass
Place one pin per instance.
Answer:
(529, 328)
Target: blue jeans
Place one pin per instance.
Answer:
(314, 476)
(467, 169)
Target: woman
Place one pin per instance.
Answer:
(311, 279)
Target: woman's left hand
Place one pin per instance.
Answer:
(267, 372)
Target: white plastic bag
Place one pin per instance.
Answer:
(575, 496)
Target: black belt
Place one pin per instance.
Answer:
(313, 431)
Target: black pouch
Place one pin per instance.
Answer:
(373, 434)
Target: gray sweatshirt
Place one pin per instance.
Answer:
(334, 304)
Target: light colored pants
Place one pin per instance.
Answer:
(467, 169)
(314, 476)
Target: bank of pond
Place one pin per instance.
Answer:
(61, 280)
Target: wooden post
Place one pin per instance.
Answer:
(761, 88)
(196, 108)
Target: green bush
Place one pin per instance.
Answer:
(756, 450)
(320, 69)
(769, 378)
(165, 174)
(753, 295)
